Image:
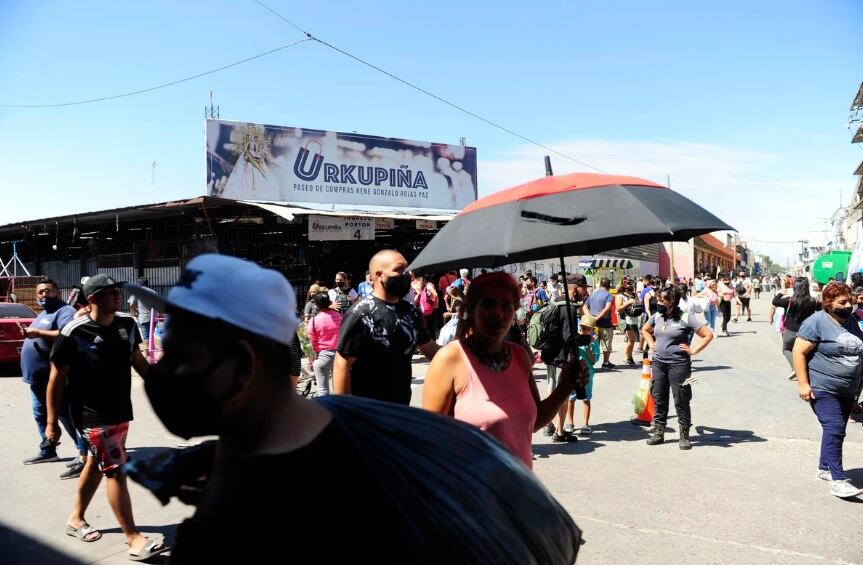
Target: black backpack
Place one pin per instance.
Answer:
(740, 289)
(548, 330)
(635, 309)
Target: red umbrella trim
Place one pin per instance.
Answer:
(553, 185)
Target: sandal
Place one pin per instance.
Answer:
(82, 531)
(151, 548)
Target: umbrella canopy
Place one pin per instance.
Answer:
(557, 216)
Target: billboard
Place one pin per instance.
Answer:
(248, 161)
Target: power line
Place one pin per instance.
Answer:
(152, 88)
(426, 92)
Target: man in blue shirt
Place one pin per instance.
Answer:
(599, 305)
(366, 287)
(35, 368)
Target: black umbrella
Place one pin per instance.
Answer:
(557, 216)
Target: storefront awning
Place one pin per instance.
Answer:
(611, 264)
(290, 212)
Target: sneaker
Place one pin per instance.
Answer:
(585, 431)
(612, 365)
(726, 333)
(46, 458)
(607, 366)
(844, 489)
(631, 362)
(74, 462)
(548, 430)
(748, 319)
(568, 428)
(564, 438)
(824, 475)
(734, 320)
(73, 472)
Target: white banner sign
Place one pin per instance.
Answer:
(332, 228)
(426, 225)
(289, 164)
(385, 224)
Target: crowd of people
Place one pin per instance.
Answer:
(482, 335)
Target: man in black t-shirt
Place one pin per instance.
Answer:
(93, 356)
(378, 337)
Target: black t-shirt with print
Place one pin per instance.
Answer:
(270, 511)
(382, 337)
(99, 359)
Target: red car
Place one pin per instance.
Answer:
(13, 318)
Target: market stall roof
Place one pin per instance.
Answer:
(182, 207)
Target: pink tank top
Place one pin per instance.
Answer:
(500, 403)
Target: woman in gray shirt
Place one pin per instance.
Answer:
(668, 332)
(827, 362)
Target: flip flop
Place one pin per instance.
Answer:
(152, 547)
(82, 532)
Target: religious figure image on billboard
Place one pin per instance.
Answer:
(288, 164)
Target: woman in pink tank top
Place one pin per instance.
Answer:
(486, 381)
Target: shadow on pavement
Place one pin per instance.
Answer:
(711, 368)
(582, 446)
(723, 438)
(16, 547)
(624, 430)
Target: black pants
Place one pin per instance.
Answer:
(725, 308)
(667, 376)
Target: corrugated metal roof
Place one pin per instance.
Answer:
(179, 207)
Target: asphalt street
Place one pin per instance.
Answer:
(745, 493)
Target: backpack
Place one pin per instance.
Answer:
(545, 331)
(740, 289)
(635, 310)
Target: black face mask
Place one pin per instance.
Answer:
(397, 285)
(341, 284)
(181, 400)
(842, 312)
(50, 303)
(662, 309)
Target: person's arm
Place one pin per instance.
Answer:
(133, 307)
(799, 356)
(439, 385)
(647, 298)
(312, 334)
(34, 333)
(342, 374)
(706, 337)
(429, 349)
(585, 309)
(294, 369)
(647, 333)
(623, 304)
(606, 309)
(139, 362)
(54, 396)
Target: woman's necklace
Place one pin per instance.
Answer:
(497, 361)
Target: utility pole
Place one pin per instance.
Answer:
(673, 278)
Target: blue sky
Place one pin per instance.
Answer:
(743, 104)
